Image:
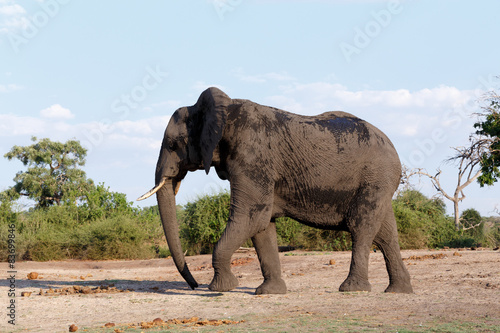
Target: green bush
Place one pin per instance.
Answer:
(422, 222)
(60, 232)
(471, 220)
(114, 238)
(492, 235)
(295, 234)
(205, 219)
(203, 222)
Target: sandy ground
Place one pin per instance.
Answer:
(450, 286)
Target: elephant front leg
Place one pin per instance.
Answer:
(251, 208)
(230, 241)
(266, 245)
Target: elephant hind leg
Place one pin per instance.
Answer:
(357, 280)
(387, 240)
(266, 246)
(363, 225)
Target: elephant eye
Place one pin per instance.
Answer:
(172, 146)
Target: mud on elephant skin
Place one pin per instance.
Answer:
(331, 171)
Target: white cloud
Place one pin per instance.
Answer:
(135, 127)
(134, 137)
(135, 143)
(12, 125)
(7, 88)
(336, 94)
(12, 10)
(56, 111)
(15, 23)
(143, 134)
(149, 129)
(12, 16)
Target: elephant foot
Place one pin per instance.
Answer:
(276, 286)
(223, 283)
(351, 284)
(401, 287)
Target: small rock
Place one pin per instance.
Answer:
(26, 294)
(332, 262)
(158, 321)
(73, 328)
(108, 325)
(456, 254)
(86, 290)
(32, 276)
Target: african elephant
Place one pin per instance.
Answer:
(331, 171)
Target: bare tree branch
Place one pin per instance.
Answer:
(471, 227)
(468, 159)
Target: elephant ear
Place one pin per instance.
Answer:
(212, 105)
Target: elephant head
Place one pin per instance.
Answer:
(189, 142)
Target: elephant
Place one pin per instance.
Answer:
(331, 171)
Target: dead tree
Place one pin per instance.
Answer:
(468, 159)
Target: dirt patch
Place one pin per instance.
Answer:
(459, 290)
(234, 262)
(427, 256)
(172, 324)
(82, 290)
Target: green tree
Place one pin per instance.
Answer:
(53, 175)
(100, 202)
(488, 128)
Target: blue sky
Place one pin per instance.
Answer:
(110, 74)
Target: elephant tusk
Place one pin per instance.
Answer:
(153, 190)
(177, 187)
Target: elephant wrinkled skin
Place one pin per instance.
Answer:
(331, 171)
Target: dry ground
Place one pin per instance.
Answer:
(457, 291)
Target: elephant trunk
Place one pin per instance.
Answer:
(166, 203)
